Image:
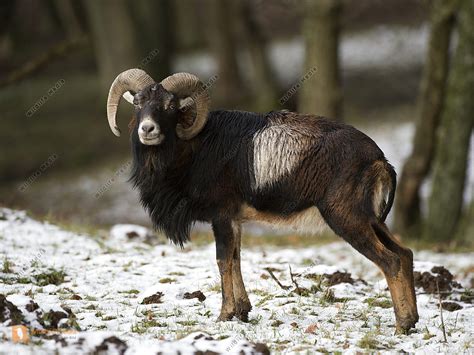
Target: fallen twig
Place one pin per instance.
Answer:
(298, 289)
(284, 287)
(441, 313)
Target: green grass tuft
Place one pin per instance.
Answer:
(379, 302)
(51, 277)
(7, 266)
(167, 280)
(368, 341)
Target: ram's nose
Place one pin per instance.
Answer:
(148, 128)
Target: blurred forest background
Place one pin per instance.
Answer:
(400, 70)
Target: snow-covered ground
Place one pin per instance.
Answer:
(103, 285)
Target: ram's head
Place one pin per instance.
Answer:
(179, 103)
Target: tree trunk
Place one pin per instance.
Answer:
(154, 21)
(221, 36)
(190, 24)
(465, 232)
(263, 81)
(6, 13)
(114, 38)
(452, 146)
(432, 94)
(468, 230)
(322, 93)
(68, 17)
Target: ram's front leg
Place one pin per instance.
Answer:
(242, 302)
(224, 237)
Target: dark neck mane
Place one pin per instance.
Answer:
(169, 207)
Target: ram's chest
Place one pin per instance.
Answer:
(308, 221)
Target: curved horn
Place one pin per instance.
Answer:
(188, 85)
(129, 80)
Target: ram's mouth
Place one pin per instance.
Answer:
(155, 140)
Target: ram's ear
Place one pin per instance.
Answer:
(129, 96)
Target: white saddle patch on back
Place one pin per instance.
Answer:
(277, 151)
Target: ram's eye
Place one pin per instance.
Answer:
(137, 101)
(171, 107)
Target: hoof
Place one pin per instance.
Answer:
(404, 326)
(225, 316)
(243, 316)
(243, 310)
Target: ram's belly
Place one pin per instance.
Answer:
(308, 221)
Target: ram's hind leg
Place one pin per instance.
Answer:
(375, 242)
(401, 285)
(242, 302)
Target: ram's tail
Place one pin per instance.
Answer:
(383, 182)
(392, 186)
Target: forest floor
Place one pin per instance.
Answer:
(125, 292)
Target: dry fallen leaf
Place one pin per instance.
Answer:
(311, 329)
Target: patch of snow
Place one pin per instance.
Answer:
(321, 269)
(129, 231)
(344, 290)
